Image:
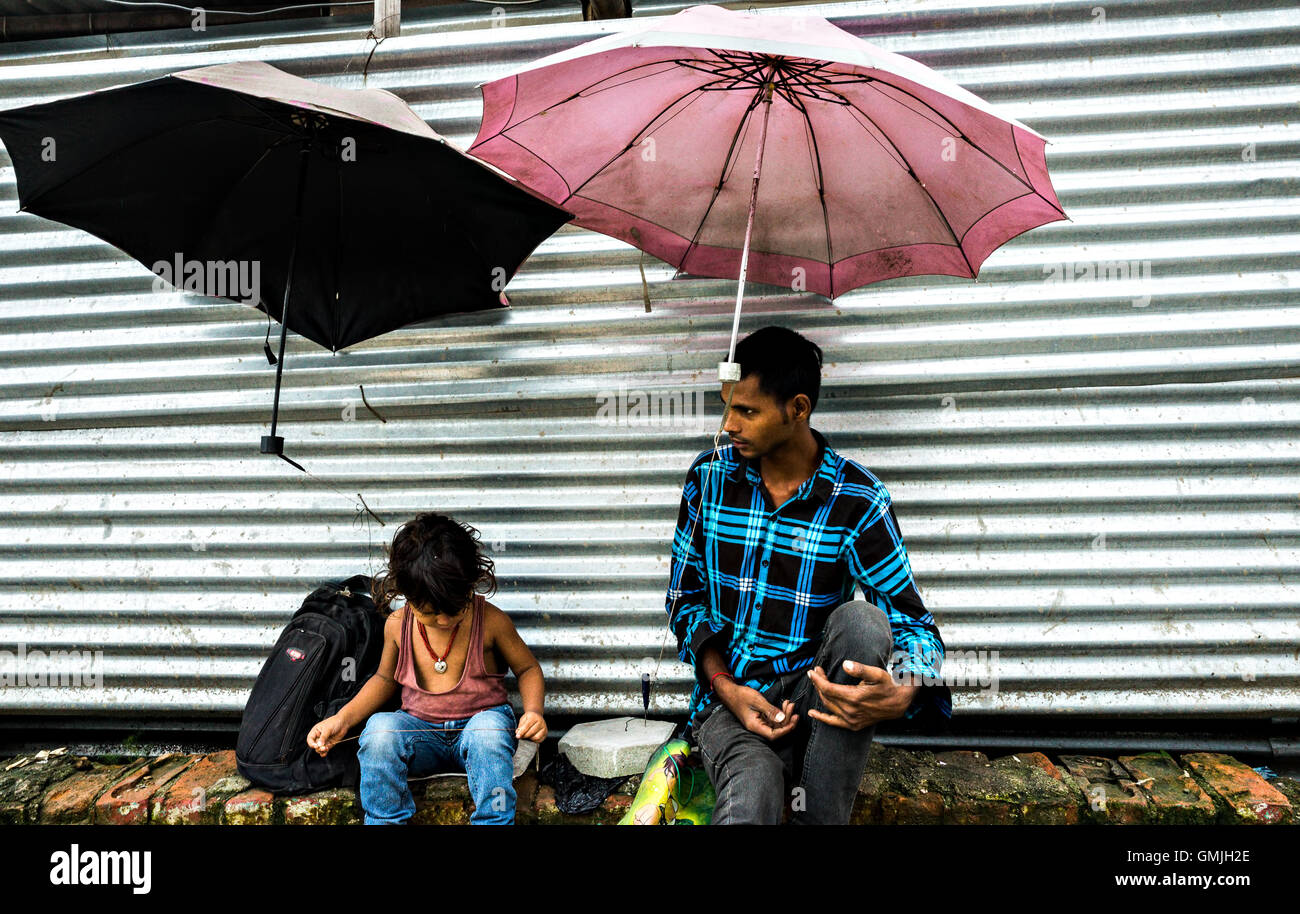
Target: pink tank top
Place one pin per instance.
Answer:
(477, 690)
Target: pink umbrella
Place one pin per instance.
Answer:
(875, 166)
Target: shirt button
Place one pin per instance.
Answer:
(764, 563)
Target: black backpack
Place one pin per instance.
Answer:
(323, 657)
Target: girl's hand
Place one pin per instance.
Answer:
(325, 734)
(531, 726)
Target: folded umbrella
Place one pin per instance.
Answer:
(248, 183)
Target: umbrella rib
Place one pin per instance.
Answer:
(929, 196)
(967, 140)
(733, 73)
(821, 191)
(1028, 187)
(938, 119)
(868, 81)
(244, 177)
(579, 93)
(1056, 206)
(799, 76)
(744, 119)
(554, 171)
(701, 88)
(591, 177)
(119, 150)
(336, 306)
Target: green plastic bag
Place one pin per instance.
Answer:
(675, 789)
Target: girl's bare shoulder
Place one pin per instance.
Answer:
(393, 624)
(495, 620)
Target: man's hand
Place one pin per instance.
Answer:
(855, 707)
(755, 713)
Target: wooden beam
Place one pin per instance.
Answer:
(388, 18)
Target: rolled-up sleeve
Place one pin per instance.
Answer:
(878, 561)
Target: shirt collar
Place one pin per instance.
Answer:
(820, 484)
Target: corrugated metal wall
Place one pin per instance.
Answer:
(1098, 476)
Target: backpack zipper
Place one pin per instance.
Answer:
(276, 712)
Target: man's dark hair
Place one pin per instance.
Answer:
(786, 363)
(434, 561)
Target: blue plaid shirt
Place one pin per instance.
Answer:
(763, 581)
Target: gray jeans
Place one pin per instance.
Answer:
(823, 763)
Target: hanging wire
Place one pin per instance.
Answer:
(537, 758)
(430, 732)
(204, 9)
(717, 453)
(365, 70)
(362, 509)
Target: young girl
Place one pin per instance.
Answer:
(445, 651)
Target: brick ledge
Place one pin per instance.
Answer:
(899, 787)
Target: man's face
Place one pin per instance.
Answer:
(757, 424)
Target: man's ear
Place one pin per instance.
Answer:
(801, 407)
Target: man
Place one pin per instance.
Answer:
(790, 670)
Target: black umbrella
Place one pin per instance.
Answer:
(248, 183)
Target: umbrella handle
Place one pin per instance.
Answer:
(273, 443)
(732, 372)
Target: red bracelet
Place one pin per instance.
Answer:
(716, 675)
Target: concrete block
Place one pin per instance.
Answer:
(614, 748)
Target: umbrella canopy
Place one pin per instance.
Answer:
(246, 182)
(873, 166)
(396, 226)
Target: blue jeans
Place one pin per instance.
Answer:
(483, 746)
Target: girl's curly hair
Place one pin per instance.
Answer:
(434, 561)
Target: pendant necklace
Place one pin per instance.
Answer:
(439, 663)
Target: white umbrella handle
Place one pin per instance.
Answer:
(729, 370)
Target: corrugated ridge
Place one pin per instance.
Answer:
(1097, 478)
